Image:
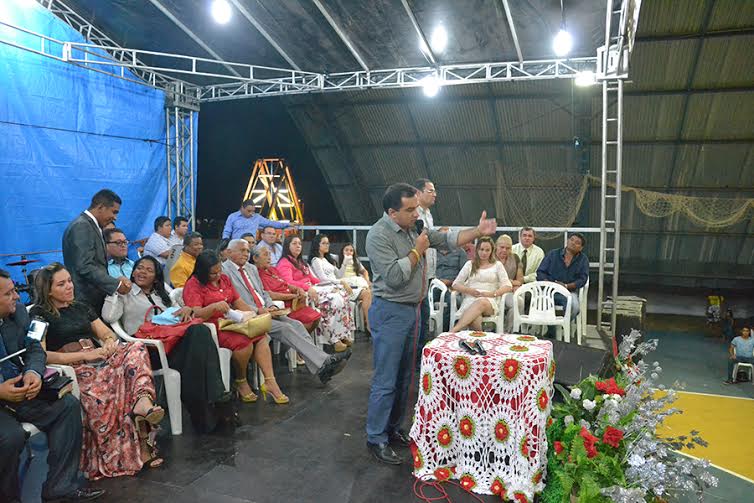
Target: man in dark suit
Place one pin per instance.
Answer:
(20, 383)
(84, 251)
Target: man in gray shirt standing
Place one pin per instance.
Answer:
(396, 253)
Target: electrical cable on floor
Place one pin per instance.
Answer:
(420, 485)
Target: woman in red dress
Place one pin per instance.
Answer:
(280, 290)
(211, 294)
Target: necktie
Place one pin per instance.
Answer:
(251, 288)
(523, 260)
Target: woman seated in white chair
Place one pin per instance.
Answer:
(194, 357)
(357, 276)
(482, 282)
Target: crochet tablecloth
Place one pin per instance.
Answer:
(481, 419)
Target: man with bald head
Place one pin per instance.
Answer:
(290, 332)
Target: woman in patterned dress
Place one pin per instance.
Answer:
(115, 380)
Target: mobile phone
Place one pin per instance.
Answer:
(37, 329)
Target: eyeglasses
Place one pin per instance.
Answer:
(430, 191)
(118, 243)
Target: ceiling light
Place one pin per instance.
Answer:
(221, 11)
(562, 43)
(439, 39)
(431, 85)
(584, 79)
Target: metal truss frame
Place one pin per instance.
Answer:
(179, 135)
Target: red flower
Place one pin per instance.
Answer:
(590, 442)
(462, 366)
(501, 431)
(519, 348)
(520, 497)
(610, 387)
(542, 399)
(524, 447)
(444, 436)
(498, 487)
(418, 460)
(612, 436)
(558, 447)
(510, 369)
(549, 422)
(442, 474)
(537, 478)
(426, 383)
(466, 427)
(477, 334)
(526, 338)
(552, 369)
(467, 481)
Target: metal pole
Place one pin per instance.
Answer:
(618, 181)
(603, 202)
(191, 167)
(178, 160)
(167, 159)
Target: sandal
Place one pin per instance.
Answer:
(250, 398)
(153, 415)
(148, 442)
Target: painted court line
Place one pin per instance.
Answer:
(718, 467)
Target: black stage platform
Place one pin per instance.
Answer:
(311, 450)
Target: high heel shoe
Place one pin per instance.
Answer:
(153, 415)
(249, 398)
(280, 400)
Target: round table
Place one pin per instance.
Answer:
(481, 419)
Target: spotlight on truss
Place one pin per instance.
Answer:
(585, 79)
(221, 11)
(431, 85)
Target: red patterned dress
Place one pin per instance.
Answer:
(109, 390)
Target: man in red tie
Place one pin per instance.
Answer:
(289, 332)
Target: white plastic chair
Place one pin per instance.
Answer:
(581, 317)
(498, 320)
(542, 307)
(171, 377)
(436, 308)
(741, 365)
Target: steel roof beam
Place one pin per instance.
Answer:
(541, 142)
(509, 17)
(739, 32)
(245, 13)
(341, 34)
(419, 31)
(185, 29)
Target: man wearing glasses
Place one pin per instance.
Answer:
(116, 246)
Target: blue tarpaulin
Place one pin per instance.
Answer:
(65, 133)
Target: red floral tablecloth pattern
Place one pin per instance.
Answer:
(481, 419)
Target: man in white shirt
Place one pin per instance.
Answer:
(530, 254)
(180, 228)
(158, 245)
(270, 241)
(426, 195)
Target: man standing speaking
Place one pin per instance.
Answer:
(396, 254)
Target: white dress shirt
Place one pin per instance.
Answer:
(534, 257)
(431, 254)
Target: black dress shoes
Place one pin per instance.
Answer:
(83, 494)
(400, 437)
(384, 454)
(333, 365)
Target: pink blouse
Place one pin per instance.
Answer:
(293, 276)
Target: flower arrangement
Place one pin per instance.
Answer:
(603, 444)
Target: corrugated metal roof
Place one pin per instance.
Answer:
(444, 121)
(727, 62)
(661, 17)
(661, 64)
(720, 116)
(732, 14)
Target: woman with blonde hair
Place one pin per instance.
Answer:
(515, 269)
(481, 281)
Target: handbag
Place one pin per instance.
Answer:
(80, 345)
(251, 328)
(170, 335)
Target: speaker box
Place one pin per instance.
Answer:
(574, 363)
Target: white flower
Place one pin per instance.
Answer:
(617, 397)
(589, 404)
(568, 420)
(576, 393)
(654, 375)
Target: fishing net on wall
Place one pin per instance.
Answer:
(538, 198)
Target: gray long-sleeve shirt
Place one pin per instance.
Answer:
(388, 247)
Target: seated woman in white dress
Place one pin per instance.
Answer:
(324, 268)
(481, 281)
(357, 276)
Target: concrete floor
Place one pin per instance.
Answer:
(312, 450)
